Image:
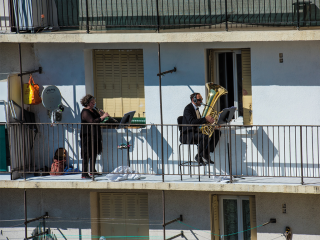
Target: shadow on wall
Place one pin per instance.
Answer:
(252, 152)
(144, 153)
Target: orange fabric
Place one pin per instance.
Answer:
(31, 93)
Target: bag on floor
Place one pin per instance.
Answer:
(31, 93)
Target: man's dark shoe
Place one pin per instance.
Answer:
(207, 159)
(199, 161)
(211, 162)
(202, 163)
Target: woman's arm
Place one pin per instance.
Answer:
(88, 117)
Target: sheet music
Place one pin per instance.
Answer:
(226, 113)
(127, 117)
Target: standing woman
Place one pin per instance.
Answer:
(90, 115)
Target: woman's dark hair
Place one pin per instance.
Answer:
(86, 100)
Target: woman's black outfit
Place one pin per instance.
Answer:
(89, 140)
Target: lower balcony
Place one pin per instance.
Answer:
(154, 153)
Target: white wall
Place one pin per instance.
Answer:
(283, 93)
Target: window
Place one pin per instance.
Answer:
(119, 81)
(232, 70)
(119, 214)
(234, 214)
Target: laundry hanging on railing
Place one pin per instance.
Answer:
(31, 93)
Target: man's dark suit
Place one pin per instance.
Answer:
(193, 135)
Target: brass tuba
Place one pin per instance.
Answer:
(214, 92)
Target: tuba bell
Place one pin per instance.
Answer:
(214, 92)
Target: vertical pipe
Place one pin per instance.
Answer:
(301, 155)
(164, 215)
(21, 83)
(87, 12)
(25, 215)
(22, 112)
(160, 94)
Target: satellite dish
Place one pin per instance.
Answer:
(51, 98)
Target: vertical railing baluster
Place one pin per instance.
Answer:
(284, 151)
(229, 150)
(307, 155)
(262, 158)
(318, 148)
(226, 13)
(158, 19)
(279, 151)
(301, 155)
(296, 149)
(298, 16)
(87, 13)
(251, 138)
(290, 151)
(257, 130)
(268, 147)
(312, 151)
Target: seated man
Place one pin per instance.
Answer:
(192, 134)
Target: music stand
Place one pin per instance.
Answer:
(126, 119)
(225, 117)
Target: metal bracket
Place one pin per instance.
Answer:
(272, 220)
(181, 234)
(46, 215)
(39, 234)
(175, 220)
(170, 71)
(39, 71)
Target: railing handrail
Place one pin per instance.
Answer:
(167, 15)
(264, 151)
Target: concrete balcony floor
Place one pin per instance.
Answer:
(171, 182)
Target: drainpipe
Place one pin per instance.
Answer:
(160, 93)
(22, 114)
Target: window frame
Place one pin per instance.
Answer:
(238, 119)
(239, 211)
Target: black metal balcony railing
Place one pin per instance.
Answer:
(95, 15)
(255, 151)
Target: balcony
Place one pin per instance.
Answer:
(244, 154)
(95, 16)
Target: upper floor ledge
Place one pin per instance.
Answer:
(239, 185)
(176, 37)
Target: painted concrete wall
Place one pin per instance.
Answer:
(283, 93)
(302, 215)
(279, 89)
(65, 218)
